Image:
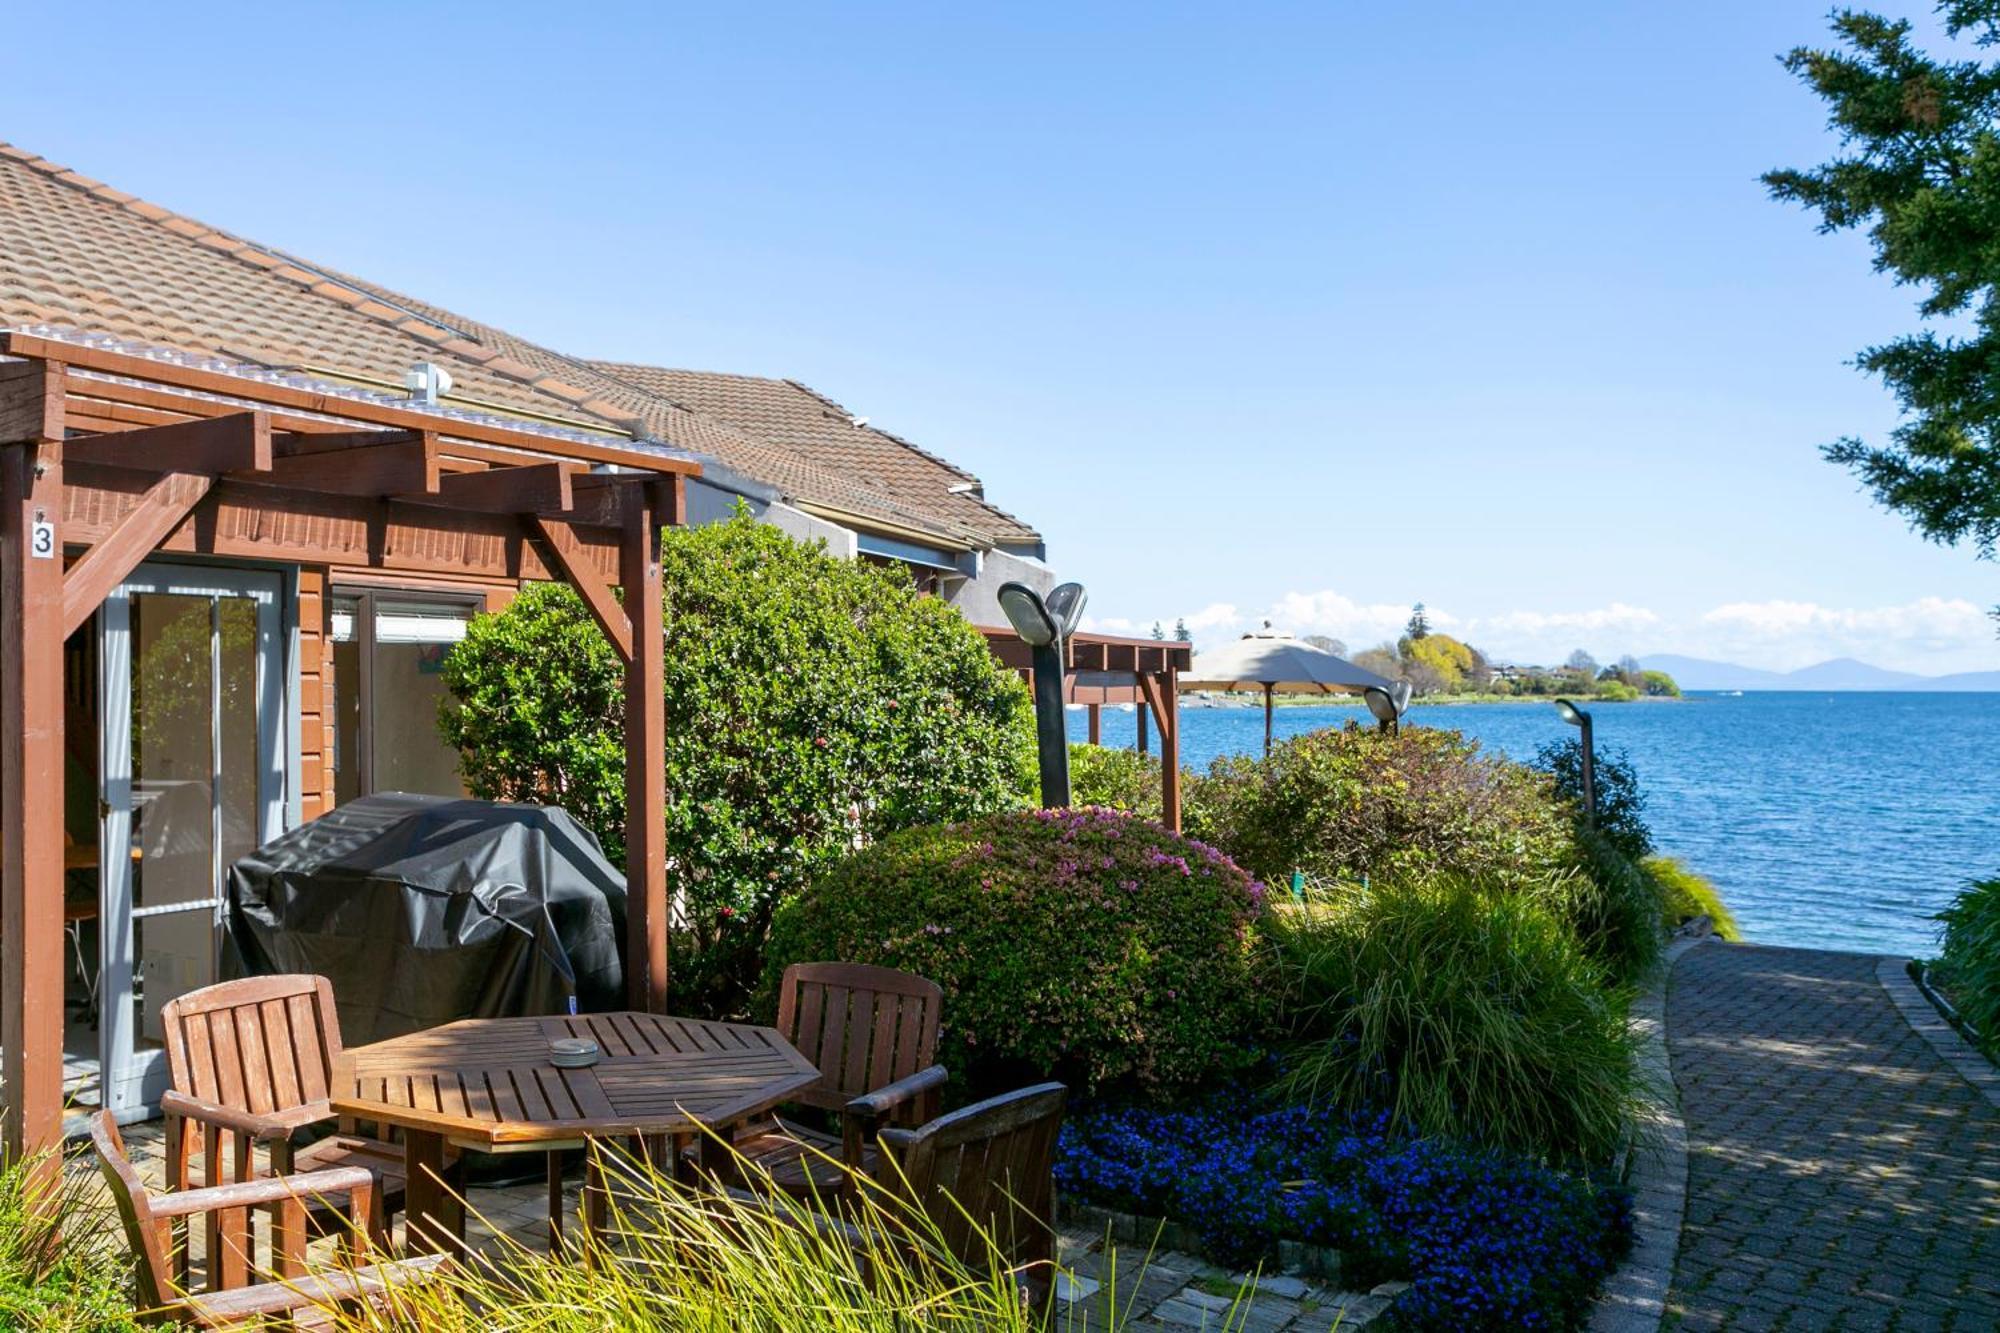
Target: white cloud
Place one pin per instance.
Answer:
(1930, 635)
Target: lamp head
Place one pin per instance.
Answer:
(1381, 703)
(1029, 615)
(1571, 714)
(1065, 606)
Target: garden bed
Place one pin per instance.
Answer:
(1486, 1240)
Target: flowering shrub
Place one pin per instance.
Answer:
(810, 700)
(1345, 803)
(1486, 1240)
(1085, 944)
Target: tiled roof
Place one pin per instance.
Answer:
(80, 254)
(817, 428)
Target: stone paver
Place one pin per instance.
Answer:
(1842, 1175)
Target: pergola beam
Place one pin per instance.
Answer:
(368, 463)
(239, 442)
(560, 539)
(164, 507)
(532, 488)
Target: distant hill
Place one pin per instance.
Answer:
(1841, 673)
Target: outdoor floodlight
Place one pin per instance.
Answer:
(1576, 717)
(1043, 625)
(1383, 705)
(1028, 614)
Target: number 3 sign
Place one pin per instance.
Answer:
(42, 539)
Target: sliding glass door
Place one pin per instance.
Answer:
(193, 765)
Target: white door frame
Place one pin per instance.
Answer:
(132, 1079)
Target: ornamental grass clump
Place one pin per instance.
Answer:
(1488, 1240)
(1686, 895)
(677, 1259)
(63, 1263)
(1455, 1011)
(1969, 965)
(1087, 945)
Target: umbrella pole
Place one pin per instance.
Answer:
(1267, 720)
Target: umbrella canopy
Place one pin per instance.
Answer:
(1280, 663)
(1276, 663)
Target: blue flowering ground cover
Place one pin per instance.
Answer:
(1487, 1240)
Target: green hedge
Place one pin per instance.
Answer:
(1087, 945)
(810, 702)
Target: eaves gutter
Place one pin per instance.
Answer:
(869, 523)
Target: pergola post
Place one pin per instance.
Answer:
(31, 760)
(1139, 715)
(1096, 714)
(1170, 751)
(647, 508)
(1158, 693)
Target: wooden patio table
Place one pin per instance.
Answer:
(489, 1084)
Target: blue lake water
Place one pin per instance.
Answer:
(1838, 821)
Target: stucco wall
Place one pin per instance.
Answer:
(712, 504)
(977, 598)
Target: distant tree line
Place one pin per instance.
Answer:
(1436, 663)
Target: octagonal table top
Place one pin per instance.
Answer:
(488, 1083)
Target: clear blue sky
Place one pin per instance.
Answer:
(1318, 310)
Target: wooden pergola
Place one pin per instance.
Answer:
(107, 457)
(1102, 669)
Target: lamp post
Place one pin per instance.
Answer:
(1043, 625)
(1576, 717)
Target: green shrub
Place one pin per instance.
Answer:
(1687, 895)
(1087, 945)
(1969, 966)
(811, 702)
(63, 1263)
(1612, 904)
(1353, 804)
(1621, 803)
(1458, 1011)
(1115, 779)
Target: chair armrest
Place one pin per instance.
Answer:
(264, 1190)
(876, 1105)
(861, 1119)
(263, 1128)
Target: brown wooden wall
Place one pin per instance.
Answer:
(315, 684)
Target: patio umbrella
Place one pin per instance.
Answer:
(1276, 663)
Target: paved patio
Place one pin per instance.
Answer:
(1843, 1174)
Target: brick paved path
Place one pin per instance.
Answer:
(1840, 1175)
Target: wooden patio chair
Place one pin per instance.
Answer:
(873, 1032)
(251, 1061)
(983, 1175)
(231, 1302)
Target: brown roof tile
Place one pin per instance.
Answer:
(82, 255)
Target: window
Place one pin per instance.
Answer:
(388, 683)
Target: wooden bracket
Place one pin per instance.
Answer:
(164, 507)
(561, 540)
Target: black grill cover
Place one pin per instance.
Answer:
(425, 909)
